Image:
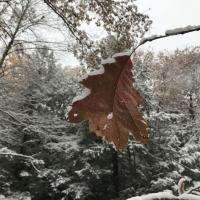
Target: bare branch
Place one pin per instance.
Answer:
(18, 155)
(10, 153)
(71, 29)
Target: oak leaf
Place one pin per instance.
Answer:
(110, 103)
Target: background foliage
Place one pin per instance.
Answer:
(66, 161)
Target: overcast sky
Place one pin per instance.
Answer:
(169, 14)
(166, 14)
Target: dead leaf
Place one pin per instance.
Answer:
(111, 103)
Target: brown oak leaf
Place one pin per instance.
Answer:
(110, 103)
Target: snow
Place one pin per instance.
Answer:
(189, 197)
(75, 114)
(165, 195)
(24, 174)
(110, 116)
(159, 195)
(105, 126)
(85, 76)
(112, 60)
(92, 73)
(183, 29)
(152, 37)
(122, 54)
(108, 61)
(103, 62)
(97, 72)
(69, 108)
(171, 32)
(85, 93)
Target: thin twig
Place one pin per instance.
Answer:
(21, 156)
(17, 155)
(178, 31)
(71, 28)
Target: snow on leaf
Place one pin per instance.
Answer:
(110, 116)
(97, 72)
(108, 61)
(111, 103)
(85, 93)
(122, 54)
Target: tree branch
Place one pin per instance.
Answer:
(193, 189)
(168, 33)
(7, 153)
(49, 4)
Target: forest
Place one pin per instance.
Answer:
(43, 156)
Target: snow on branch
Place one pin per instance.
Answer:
(160, 195)
(7, 152)
(167, 195)
(168, 33)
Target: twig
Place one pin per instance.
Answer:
(193, 189)
(17, 155)
(49, 4)
(177, 31)
(12, 117)
(21, 156)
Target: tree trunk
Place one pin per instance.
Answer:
(115, 163)
(191, 107)
(131, 167)
(13, 37)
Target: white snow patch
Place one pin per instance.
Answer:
(105, 126)
(85, 93)
(82, 77)
(92, 73)
(24, 174)
(181, 29)
(110, 116)
(122, 54)
(150, 38)
(144, 122)
(97, 72)
(108, 61)
(69, 108)
(112, 60)
(165, 195)
(75, 114)
(189, 197)
(195, 170)
(159, 195)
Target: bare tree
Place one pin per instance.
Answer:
(21, 22)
